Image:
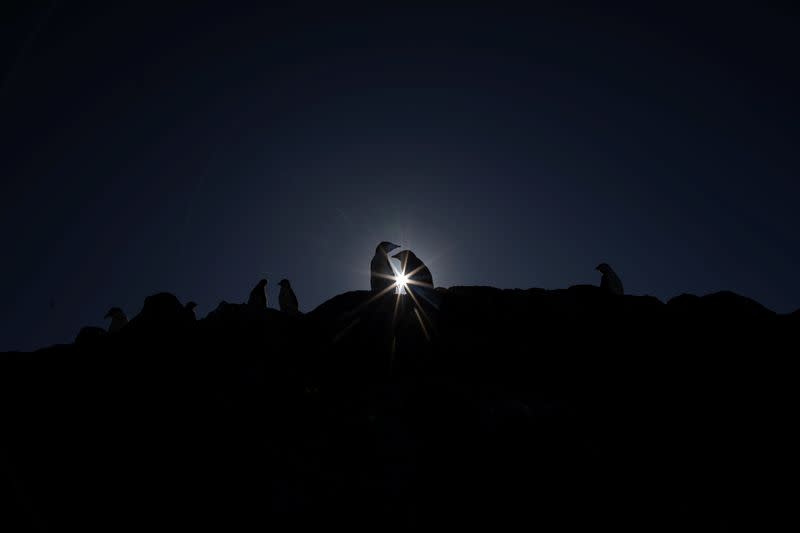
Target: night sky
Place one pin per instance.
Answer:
(150, 147)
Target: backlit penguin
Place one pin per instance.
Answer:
(118, 319)
(610, 281)
(258, 296)
(287, 299)
(381, 275)
(414, 269)
(418, 278)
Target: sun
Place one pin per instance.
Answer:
(401, 282)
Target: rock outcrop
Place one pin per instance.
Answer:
(571, 409)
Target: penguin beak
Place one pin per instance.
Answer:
(393, 247)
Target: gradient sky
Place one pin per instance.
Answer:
(150, 147)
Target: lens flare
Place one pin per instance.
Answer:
(401, 280)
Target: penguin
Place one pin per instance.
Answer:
(414, 269)
(118, 319)
(610, 281)
(190, 310)
(381, 274)
(287, 299)
(258, 296)
(419, 283)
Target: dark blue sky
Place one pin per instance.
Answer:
(149, 147)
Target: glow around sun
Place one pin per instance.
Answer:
(401, 280)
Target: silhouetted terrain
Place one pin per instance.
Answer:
(544, 410)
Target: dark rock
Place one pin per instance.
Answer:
(89, 335)
(567, 409)
(161, 308)
(345, 305)
(719, 305)
(238, 313)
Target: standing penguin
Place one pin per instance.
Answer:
(418, 277)
(414, 269)
(287, 299)
(258, 296)
(610, 281)
(381, 275)
(118, 319)
(418, 282)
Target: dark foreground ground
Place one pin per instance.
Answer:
(519, 410)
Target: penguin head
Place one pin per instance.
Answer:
(405, 256)
(387, 247)
(190, 306)
(262, 283)
(115, 312)
(603, 268)
(284, 283)
(408, 260)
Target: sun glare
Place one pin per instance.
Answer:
(401, 282)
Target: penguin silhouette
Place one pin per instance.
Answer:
(258, 296)
(118, 319)
(190, 310)
(610, 281)
(381, 274)
(287, 299)
(420, 280)
(414, 269)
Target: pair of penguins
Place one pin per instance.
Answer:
(382, 277)
(287, 300)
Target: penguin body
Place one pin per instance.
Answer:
(258, 296)
(610, 281)
(118, 319)
(419, 286)
(420, 279)
(381, 274)
(412, 266)
(287, 298)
